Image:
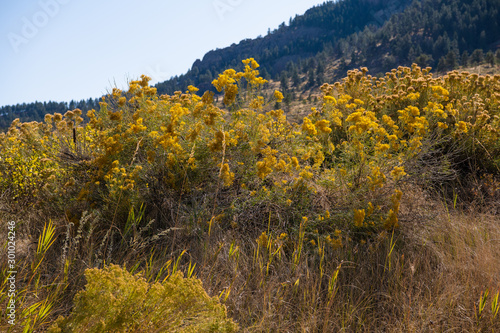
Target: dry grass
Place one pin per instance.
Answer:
(467, 247)
(428, 277)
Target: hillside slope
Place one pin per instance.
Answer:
(318, 30)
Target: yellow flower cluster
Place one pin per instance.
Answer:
(359, 217)
(364, 121)
(227, 81)
(278, 95)
(137, 127)
(251, 74)
(398, 172)
(226, 175)
(118, 179)
(265, 167)
(461, 127)
(439, 92)
(377, 177)
(391, 221)
(323, 126)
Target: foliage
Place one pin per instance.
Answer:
(367, 136)
(116, 301)
(304, 38)
(433, 32)
(263, 205)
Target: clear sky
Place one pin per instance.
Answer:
(75, 49)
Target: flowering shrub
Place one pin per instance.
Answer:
(350, 155)
(116, 301)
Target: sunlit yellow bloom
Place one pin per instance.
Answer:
(226, 175)
(278, 95)
(381, 147)
(440, 92)
(306, 174)
(414, 110)
(442, 125)
(322, 125)
(330, 100)
(398, 172)
(413, 96)
(461, 127)
(308, 127)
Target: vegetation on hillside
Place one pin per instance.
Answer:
(327, 224)
(443, 34)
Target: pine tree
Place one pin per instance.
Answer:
(284, 82)
(465, 60)
(451, 60)
(490, 58)
(424, 60)
(311, 78)
(477, 56)
(296, 78)
(441, 67)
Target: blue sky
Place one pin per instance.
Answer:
(73, 49)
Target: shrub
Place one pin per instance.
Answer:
(351, 155)
(117, 301)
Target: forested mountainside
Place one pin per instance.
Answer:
(443, 34)
(318, 30)
(380, 35)
(438, 33)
